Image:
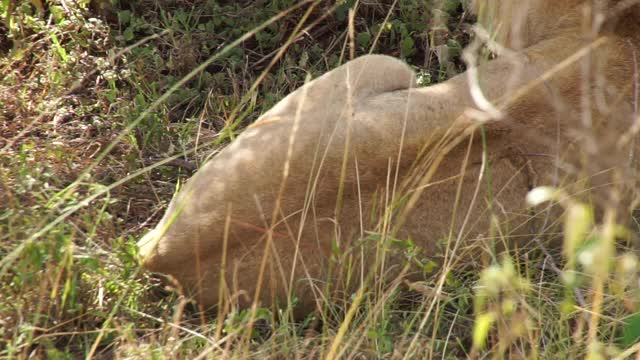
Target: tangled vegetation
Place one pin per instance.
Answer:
(106, 105)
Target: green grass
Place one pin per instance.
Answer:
(102, 113)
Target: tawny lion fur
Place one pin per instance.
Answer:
(322, 182)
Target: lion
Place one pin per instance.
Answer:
(318, 190)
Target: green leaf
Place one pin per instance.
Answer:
(429, 266)
(451, 6)
(58, 13)
(631, 330)
(61, 51)
(128, 34)
(343, 9)
(408, 47)
(89, 262)
(124, 17)
(363, 39)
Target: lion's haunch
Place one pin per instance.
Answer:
(361, 151)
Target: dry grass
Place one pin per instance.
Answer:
(104, 110)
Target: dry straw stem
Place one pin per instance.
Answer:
(285, 175)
